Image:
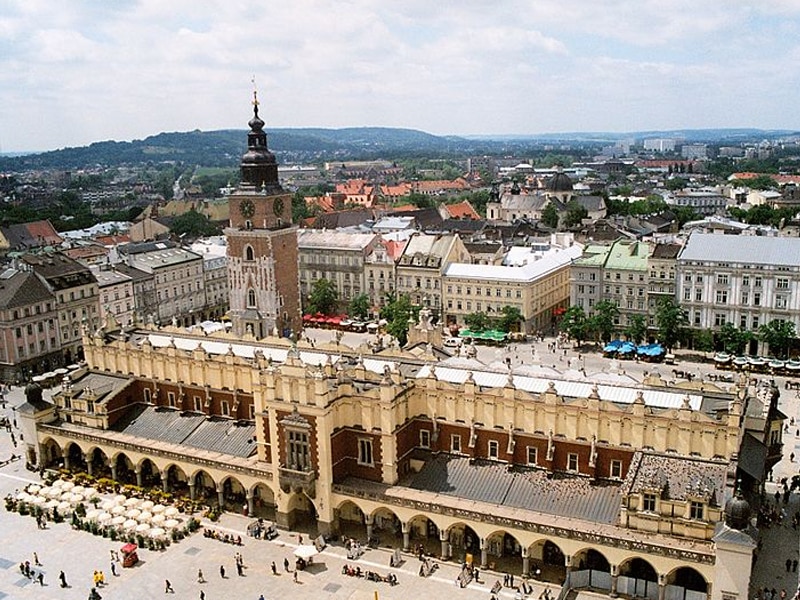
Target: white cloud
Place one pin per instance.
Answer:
(72, 73)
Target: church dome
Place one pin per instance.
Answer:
(559, 182)
(737, 512)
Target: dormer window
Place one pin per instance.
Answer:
(697, 510)
(649, 502)
(248, 253)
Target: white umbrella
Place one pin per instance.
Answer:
(90, 492)
(145, 517)
(67, 486)
(158, 508)
(171, 511)
(24, 497)
(55, 492)
(44, 491)
(108, 505)
(76, 498)
(34, 489)
(103, 517)
(92, 514)
(38, 500)
(157, 532)
(171, 523)
(158, 519)
(64, 508)
(52, 504)
(129, 524)
(118, 510)
(120, 498)
(147, 505)
(142, 527)
(66, 496)
(131, 502)
(57, 483)
(133, 513)
(305, 551)
(118, 520)
(78, 489)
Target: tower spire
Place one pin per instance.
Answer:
(258, 166)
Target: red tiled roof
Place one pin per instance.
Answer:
(43, 230)
(462, 210)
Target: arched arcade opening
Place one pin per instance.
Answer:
(686, 583)
(637, 578)
(547, 562)
(590, 569)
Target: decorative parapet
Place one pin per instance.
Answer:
(297, 481)
(550, 530)
(102, 441)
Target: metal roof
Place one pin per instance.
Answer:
(567, 388)
(529, 272)
(749, 249)
(519, 487)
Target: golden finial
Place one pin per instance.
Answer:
(255, 92)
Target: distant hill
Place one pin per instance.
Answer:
(225, 147)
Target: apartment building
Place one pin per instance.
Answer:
(743, 280)
(116, 295)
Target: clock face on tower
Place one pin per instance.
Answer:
(247, 208)
(278, 207)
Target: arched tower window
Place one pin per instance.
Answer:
(248, 253)
(251, 298)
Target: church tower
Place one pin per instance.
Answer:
(262, 244)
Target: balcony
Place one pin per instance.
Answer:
(295, 481)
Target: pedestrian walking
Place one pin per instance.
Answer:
(36, 560)
(168, 587)
(274, 568)
(113, 568)
(40, 579)
(286, 564)
(200, 578)
(63, 579)
(294, 577)
(788, 565)
(239, 569)
(202, 595)
(794, 566)
(222, 571)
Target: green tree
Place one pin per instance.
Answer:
(397, 311)
(733, 340)
(574, 323)
(778, 335)
(703, 340)
(636, 329)
(576, 213)
(478, 321)
(510, 318)
(193, 225)
(324, 297)
(421, 200)
(359, 307)
(550, 216)
(762, 182)
(300, 209)
(684, 214)
(675, 184)
(670, 320)
(602, 320)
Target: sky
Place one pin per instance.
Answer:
(81, 71)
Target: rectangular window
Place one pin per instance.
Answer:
(722, 279)
(171, 398)
(782, 284)
(781, 301)
(745, 298)
(455, 443)
(698, 295)
(719, 320)
(722, 296)
(198, 404)
(224, 408)
(755, 323)
(533, 455)
(649, 502)
(616, 469)
(424, 438)
(696, 510)
(572, 462)
(146, 393)
(365, 452)
(757, 299)
(297, 451)
(687, 294)
(494, 449)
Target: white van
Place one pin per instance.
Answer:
(452, 342)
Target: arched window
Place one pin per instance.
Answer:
(248, 253)
(251, 298)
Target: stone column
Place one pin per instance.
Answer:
(191, 490)
(139, 476)
(89, 467)
(221, 498)
(114, 471)
(368, 521)
(614, 575)
(662, 587)
(250, 505)
(406, 536)
(568, 564)
(445, 544)
(66, 461)
(708, 591)
(484, 554)
(164, 483)
(526, 561)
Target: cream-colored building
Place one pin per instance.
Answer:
(116, 295)
(595, 482)
(537, 288)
